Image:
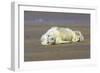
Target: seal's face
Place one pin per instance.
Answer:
(47, 40)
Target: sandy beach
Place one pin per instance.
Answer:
(34, 51)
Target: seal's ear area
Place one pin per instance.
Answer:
(81, 37)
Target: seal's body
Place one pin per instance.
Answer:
(59, 35)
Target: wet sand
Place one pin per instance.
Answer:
(34, 51)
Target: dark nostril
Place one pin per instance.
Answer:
(48, 35)
(51, 38)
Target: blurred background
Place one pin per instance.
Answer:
(37, 23)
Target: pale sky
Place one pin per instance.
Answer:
(35, 17)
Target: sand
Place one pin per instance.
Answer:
(34, 51)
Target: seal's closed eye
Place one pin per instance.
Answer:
(52, 39)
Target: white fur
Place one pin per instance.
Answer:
(59, 35)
